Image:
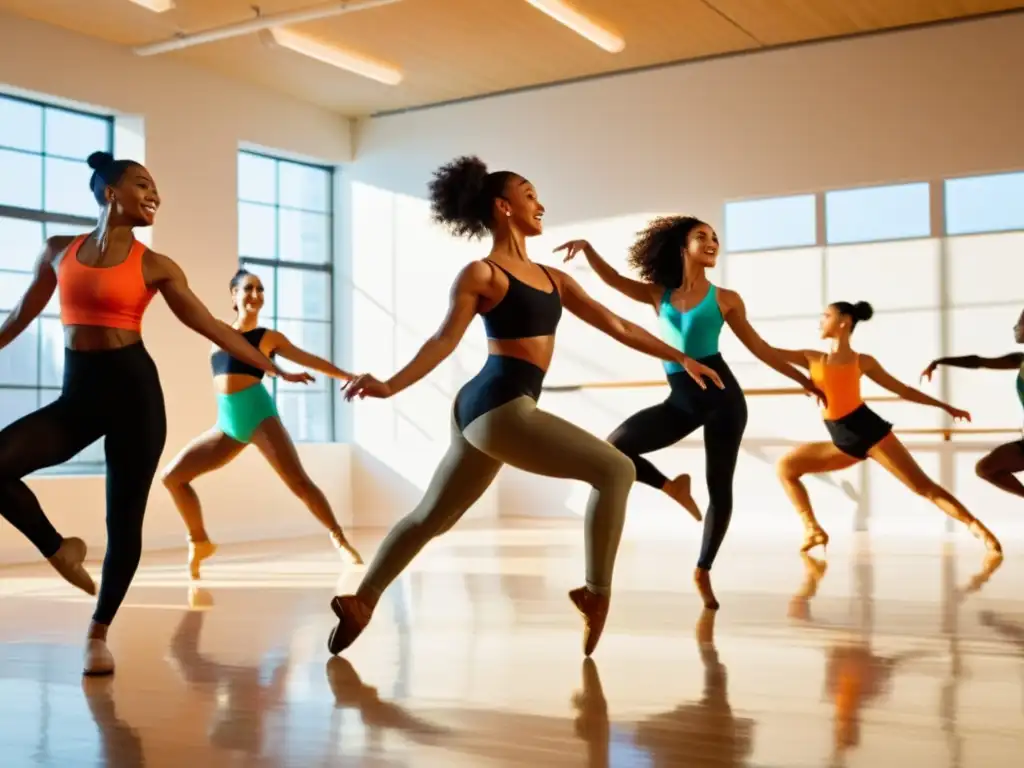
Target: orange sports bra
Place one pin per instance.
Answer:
(109, 297)
(841, 384)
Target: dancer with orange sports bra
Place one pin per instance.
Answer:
(857, 432)
(495, 418)
(111, 386)
(246, 413)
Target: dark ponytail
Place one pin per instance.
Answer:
(462, 195)
(861, 311)
(106, 172)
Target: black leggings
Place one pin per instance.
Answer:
(114, 394)
(722, 413)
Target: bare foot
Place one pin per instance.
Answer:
(679, 489)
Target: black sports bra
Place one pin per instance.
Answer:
(524, 311)
(222, 362)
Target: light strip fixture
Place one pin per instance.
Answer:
(156, 6)
(565, 14)
(336, 57)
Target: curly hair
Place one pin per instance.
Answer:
(656, 253)
(462, 195)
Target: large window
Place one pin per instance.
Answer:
(771, 223)
(985, 204)
(44, 191)
(872, 214)
(285, 237)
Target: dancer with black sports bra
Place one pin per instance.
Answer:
(495, 418)
(857, 432)
(672, 255)
(246, 413)
(999, 466)
(111, 386)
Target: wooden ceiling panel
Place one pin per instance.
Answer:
(778, 22)
(452, 49)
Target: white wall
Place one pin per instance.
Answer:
(608, 154)
(193, 123)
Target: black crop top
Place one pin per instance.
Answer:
(222, 362)
(524, 311)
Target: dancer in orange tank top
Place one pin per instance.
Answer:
(111, 387)
(857, 431)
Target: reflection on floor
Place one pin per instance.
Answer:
(877, 658)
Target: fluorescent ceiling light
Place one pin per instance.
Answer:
(565, 14)
(336, 57)
(157, 6)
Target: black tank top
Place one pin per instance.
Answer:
(524, 311)
(222, 362)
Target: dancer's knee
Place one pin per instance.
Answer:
(787, 470)
(617, 471)
(986, 469)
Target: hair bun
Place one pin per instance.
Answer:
(863, 310)
(98, 160)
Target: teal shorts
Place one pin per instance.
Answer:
(240, 413)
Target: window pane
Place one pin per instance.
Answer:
(985, 204)
(12, 287)
(51, 357)
(257, 231)
(779, 222)
(314, 338)
(19, 359)
(257, 179)
(878, 213)
(54, 228)
(74, 135)
(911, 269)
(777, 283)
(303, 294)
(21, 125)
(987, 270)
(21, 180)
(305, 237)
(15, 403)
(306, 416)
(20, 243)
(305, 187)
(67, 188)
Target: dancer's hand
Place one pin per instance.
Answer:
(572, 248)
(365, 385)
(814, 391)
(296, 378)
(927, 372)
(957, 414)
(697, 371)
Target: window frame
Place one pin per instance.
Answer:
(973, 232)
(277, 263)
(45, 218)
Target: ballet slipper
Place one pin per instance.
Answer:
(679, 490)
(353, 616)
(197, 552)
(594, 610)
(69, 561)
(98, 659)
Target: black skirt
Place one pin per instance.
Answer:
(858, 432)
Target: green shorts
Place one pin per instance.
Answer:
(240, 413)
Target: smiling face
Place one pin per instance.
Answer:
(701, 246)
(247, 295)
(135, 197)
(520, 206)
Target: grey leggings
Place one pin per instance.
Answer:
(520, 434)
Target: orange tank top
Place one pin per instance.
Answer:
(109, 297)
(841, 384)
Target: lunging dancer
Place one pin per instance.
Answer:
(671, 255)
(857, 432)
(495, 418)
(246, 413)
(1001, 464)
(111, 387)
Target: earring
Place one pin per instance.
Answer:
(508, 213)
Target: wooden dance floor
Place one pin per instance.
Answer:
(886, 658)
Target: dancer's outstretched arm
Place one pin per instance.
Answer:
(37, 296)
(874, 371)
(466, 293)
(736, 317)
(645, 293)
(1006, 362)
(282, 345)
(581, 304)
(170, 280)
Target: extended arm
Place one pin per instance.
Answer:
(462, 308)
(37, 296)
(1012, 360)
(170, 280)
(874, 371)
(634, 289)
(282, 346)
